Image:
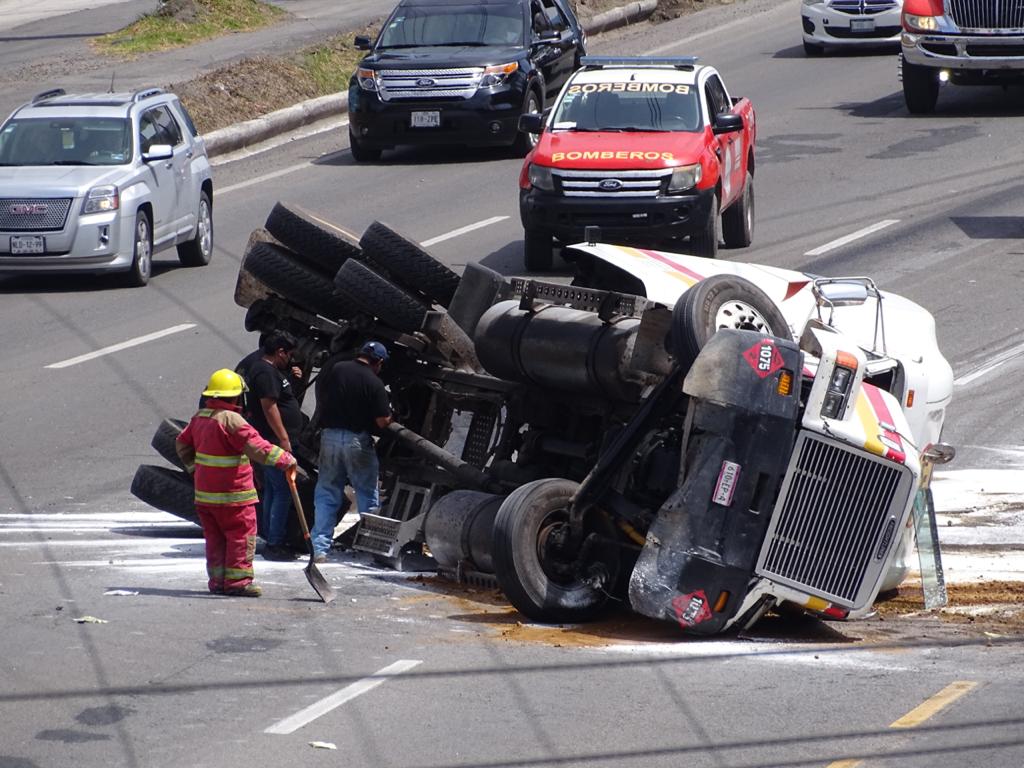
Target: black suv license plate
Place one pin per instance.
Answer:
(22, 245)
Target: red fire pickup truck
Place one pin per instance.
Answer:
(650, 150)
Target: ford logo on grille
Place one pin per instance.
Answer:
(28, 209)
(425, 82)
(609, 185)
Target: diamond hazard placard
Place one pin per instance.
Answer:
(764, 358)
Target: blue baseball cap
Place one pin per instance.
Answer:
(374, 350)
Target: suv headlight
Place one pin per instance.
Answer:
(541, 178)
(367, 79)
(683, 178)
(101, 199)
(498, 75)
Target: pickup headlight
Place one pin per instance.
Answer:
(498, 75)
(367, 79)
(683, 178)
(917, 23)
(834, 404)
(100, 199)
(541, 178)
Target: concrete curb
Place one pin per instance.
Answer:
(241, 135)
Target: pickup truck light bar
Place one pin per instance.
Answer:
(600, 62)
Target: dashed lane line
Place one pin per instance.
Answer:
(841, 241)
(305, 716)
(462, 230)
(122, 345)
(922, 712)
(985, 368)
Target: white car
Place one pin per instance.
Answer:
(842, 23)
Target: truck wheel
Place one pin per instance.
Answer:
(165, 437)
(377, 296)
(169, 490)
(361, 152)
(526, 141)
(142, 252)
(738, 219)
(292, 280)
(538, 250)
(403, 257)
(537, 572)
(920, 87)
(317, 242)
(721, 301)
(705, 242)
(197, 251)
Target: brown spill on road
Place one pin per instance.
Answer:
(991, 609)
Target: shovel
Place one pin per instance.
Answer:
(313, 576)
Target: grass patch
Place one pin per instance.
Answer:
(330, 65)
(179, 23)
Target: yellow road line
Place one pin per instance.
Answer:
(920, 713)
(935, 704)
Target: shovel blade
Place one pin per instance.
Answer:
(319, 583)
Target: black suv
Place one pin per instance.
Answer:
(460, 72)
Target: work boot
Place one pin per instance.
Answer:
(320, 558)
(249, 590)
(278, 553)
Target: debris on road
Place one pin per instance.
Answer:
(90, 620)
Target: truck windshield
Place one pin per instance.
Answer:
(423, 25)
(67, 141)
(631, 106)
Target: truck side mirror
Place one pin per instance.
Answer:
(363, 43)
(532, 122)
(726, 122)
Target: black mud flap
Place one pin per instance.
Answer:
(698, 561)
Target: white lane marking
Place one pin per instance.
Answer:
(320, 126)
(685, 42)
(851, 237)
(336, 699)
(123, 345)
(1001, 359)
(462, 231)
(264, 177)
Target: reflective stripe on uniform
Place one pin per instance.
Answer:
(236, 497)
(234, 574)
(210, 460)
(205, 412)
(275, 454)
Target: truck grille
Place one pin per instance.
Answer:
(862, 7)
(429, 83)
(574, 183)
(970, 15)
(33, 215)
(838, 515)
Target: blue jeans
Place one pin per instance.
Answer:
(277, 505)
(346, 458)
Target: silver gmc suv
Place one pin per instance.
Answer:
(100, 182)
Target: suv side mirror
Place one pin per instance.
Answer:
(545, 36)
(726, 122)
(158, 152)
(531, 122)
(362, 42)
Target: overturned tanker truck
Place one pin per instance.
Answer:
(704, 439)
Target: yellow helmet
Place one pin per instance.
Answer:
(225, 383)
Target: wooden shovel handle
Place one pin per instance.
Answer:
(290, 474)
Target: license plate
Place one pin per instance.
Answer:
(426, 119)
(28, 244)
(862, 25)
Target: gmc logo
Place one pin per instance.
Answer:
(27, 209)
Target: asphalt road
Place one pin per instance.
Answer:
(177, 678)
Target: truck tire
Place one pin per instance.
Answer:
(375, 295)
(164, 438)
(738, 219)
(169, 490)
(403, 257)
(524, 142)
(362, 152)
(317, 242)
(292, 280)
(720, 301)
(198, 251)
(920, 87)
(538, 250)
(705, 242)
(526, 562)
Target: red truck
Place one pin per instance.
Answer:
(650, 150)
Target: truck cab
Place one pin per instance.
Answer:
(649, 150)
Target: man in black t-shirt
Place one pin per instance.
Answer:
(355, 406)
(273, 409)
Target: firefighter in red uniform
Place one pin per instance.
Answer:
(217, 447)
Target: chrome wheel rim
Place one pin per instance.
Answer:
(205, 229)
(143, 249)
(741, 316)
(532, 106)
